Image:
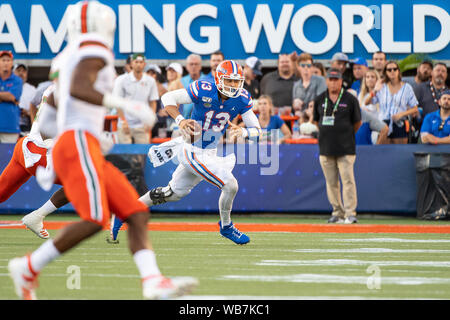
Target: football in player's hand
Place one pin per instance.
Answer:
(192, 132)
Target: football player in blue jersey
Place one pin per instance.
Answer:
(216, 104)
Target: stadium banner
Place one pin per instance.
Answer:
(170, 30)
(287, 178)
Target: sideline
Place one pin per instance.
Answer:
(263, 227)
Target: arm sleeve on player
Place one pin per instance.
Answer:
(47, 121)
(253, 128)
(175, 98)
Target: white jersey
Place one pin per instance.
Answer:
(35, 132)
(74, 114)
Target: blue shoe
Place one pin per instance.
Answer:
(232, 233)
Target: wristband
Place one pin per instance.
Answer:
(178, 119)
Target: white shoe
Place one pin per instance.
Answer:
(35, 223)
(161, 287)
(350, 220)
(25, 280)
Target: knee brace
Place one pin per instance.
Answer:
(162, 195)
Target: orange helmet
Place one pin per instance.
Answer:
(229, 69)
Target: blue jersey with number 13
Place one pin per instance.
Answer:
(212, 112)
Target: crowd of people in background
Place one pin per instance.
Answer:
(393, 108)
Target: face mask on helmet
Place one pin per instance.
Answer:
(91, 17)
(229, 70)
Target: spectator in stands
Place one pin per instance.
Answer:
(215, 59)
(436, 125)
(372, 129)
(359, 68)
(318, 69)
(278, 84)
(160, 127)
(339, 61)
(423, 74)
(428, 93)
(379, 61)
(338, 116)
(28, 92)
(139, 86)
(252, 70)
(308, 86)
(194, 68)
(368, 85)
(397, 101)
(174, 75)
(271, 124)
(10, 92)
(307, 128)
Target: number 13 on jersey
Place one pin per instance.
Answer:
(211, 117)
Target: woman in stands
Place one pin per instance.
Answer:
(397, 102)
(271, 124)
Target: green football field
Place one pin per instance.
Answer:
(274, 265)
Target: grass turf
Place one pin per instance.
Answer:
(273, 265)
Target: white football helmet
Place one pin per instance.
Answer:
(91, 17)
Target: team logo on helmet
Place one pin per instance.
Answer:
(229, 70)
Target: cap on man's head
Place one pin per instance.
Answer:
(339, 56)
(20, 65)
(334, 73)
(447, 91)
(255, 64)
(6, 52)
(360, 61)
(152, 67)
(138, 56)
(176, 67)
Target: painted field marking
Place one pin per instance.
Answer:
(343, 262)
(328, 278)
(267, 227)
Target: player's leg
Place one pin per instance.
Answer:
(85, 189)
(227, 228)
(14, 175)
(122, 198)
(35, 220)
(181, 184)
(116, 224)
(217, 171)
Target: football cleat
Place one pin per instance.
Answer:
(24, 277)
(110, 239)
(35, 223)
(232, 233)
(159, 287)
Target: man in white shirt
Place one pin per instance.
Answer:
(28, 92)
(139, 86)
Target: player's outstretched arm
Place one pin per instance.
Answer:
(171, 100)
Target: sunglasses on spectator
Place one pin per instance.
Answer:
(305, 65)
(441, 126)
(391, 69)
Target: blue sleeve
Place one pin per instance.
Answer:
(426, 124)
(193, 91)
(247, 101)
(16, 88)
